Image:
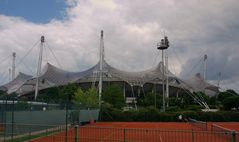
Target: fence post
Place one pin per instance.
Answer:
(192, 135)
(124, 135)
(5, 131)
(76, 133)
(206, 126)
(5, 122)
(13, 107)
(29, 133)
(233, 136)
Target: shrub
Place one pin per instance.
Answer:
(154, 115)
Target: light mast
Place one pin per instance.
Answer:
(101, 64)
(13, 65)
(163, 45)
(39, 66)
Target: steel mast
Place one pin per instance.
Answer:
(101, 64)
(39, 67)
(10, 74)
(205, 70)
(205, 67)
(13, 65)
(163, 45)
(219, 79)
(166, 73)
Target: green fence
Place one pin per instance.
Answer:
(19, 122)
(84, 115)
(106, 134)
(53, 117)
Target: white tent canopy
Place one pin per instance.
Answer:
(198, 84)
(52, 76)
(15, 84)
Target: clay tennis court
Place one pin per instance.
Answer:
(144, 132)
(228, 125)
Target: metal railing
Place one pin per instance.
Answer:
(53, 133)
(20, 132)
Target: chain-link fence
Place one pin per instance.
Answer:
(89, 133)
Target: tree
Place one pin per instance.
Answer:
(50, 95)
(188, 99)
(231, 102)
(67, 92)
(22, 103)
(2, 93)
(226, 94)
(113, 95)
(149, 100)
(232, 92)
(88, 98)
(174, 101)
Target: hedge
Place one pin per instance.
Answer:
(154, 115)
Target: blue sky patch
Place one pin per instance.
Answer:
(37, 11)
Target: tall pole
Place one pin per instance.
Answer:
(10, 74)
(39, 66)
(218, 79)
(163, 88)
(13, 65)
(163, 45)
(101, 64)
(13, 119)
(166, 73)
(205, 70)
(67, 107)
(155, 95)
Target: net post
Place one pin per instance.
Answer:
(233, 136)
(124, 135)
(206, 126)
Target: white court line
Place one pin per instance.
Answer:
(161, 140)
(111, 134)
(105, 138)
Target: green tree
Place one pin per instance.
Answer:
(51, 95)
(226, 94)
(113, 95)
(232, 92)
(149, 100)
(174, 101)
(231, 102)
(2, 93)
(212, 100)
(67, 92)
(22, 103)
(88, 98)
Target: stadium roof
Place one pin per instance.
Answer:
(52, 76)
(15, 84)
(200, 85)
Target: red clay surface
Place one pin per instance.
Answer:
(229, 125)
(143, 132)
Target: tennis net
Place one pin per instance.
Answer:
(199, 124)
(218, 128)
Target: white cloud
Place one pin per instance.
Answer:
(132, 29)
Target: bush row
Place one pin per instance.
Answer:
(154, 115)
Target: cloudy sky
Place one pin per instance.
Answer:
(132, 29)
